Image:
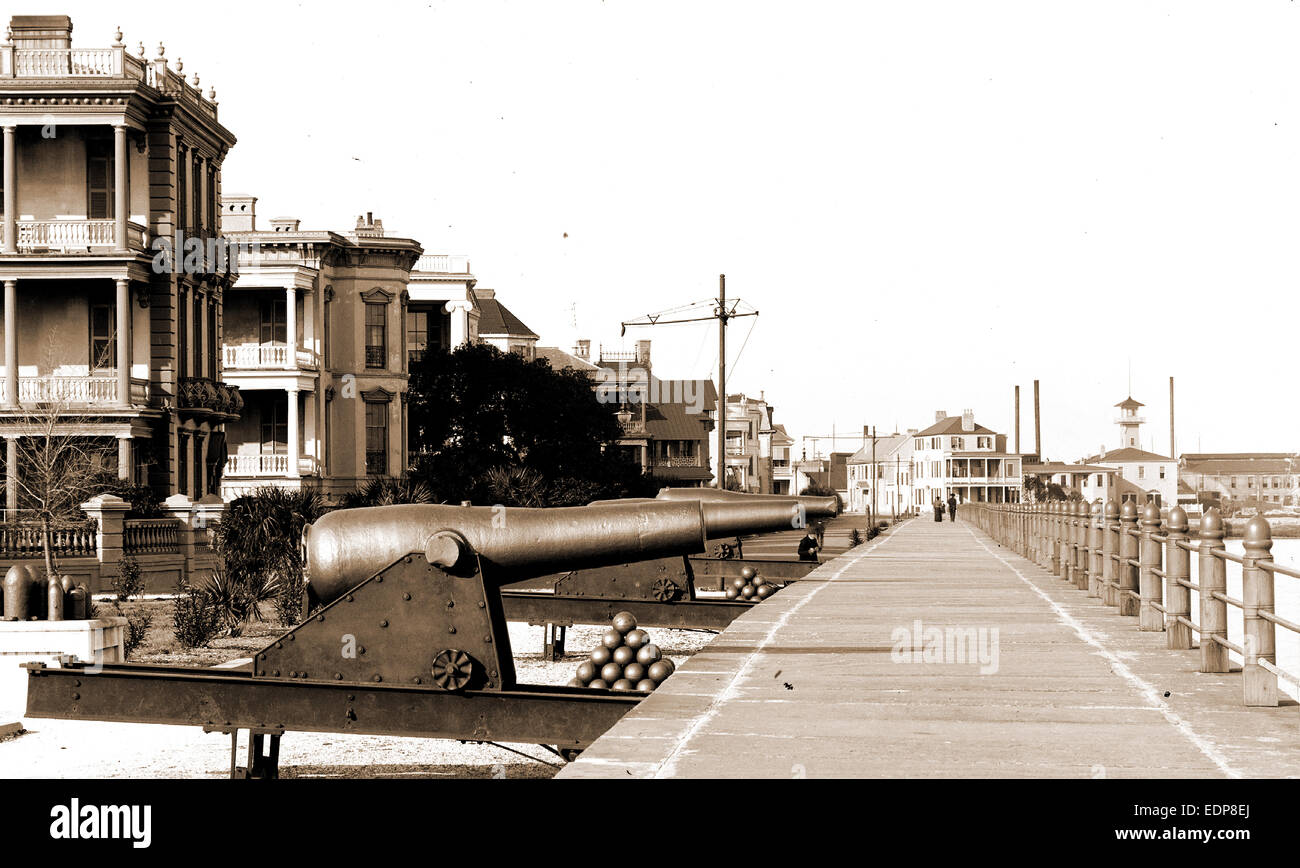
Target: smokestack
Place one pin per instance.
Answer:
(1038, 424)
(1017, 420)
(1172, 453)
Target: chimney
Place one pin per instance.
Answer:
(285, 224)
(1038, 423)
(238, 213)
(485, 293)
(968, 420)
(1017, 420)
(940, 415)
(913, 431)
(582, 349)
(41, 31)
(369, 227)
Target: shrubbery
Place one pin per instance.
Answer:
(195, 620)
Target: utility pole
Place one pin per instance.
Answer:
(722, 313)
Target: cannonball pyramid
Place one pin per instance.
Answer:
(750, 586)
(626, 660)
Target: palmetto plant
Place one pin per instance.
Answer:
(387, 492)
(259, 539)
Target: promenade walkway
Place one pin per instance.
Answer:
(843, 675)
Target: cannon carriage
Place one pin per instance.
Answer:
(409, 638)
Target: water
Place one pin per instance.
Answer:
(1286, 603)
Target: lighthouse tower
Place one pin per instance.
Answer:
(1129, 422)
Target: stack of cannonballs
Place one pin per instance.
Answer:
(625, 660)
(749, 586)
(30, 596)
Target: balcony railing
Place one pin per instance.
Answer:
(72, 237)
(112, 62)
(92, 391)
(443, 264)
(679, 461)
(268, 357)
(257, 465)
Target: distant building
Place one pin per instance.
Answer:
(1268, 477)
(1092, 482)
(884, 471)
(749, 444)
(316, 340)
(782, 465)
(1143, 476)
(958, 456)
(443, 313)
(501, 328)
(666, 424)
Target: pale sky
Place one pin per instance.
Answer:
(928, 203)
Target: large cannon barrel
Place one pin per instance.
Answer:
(345, 547)
(814, 507)
(729, 518)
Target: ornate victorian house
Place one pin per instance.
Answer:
(112, 260)
(317, 333)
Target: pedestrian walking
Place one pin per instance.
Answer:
(952, 507)
(938, 510)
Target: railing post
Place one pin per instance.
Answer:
(110, 513)
(1178, 569)
(1094, 548)
(1053, 539)
(1259, 642)
(1081, 545)
(1067, 541)
(1212, 578)
(1149, 589)
(1109, 538)
(1127, 574)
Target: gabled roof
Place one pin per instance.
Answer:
(1062, 467)
(560, 360)
(1128, 454)
(1129, 404)
(952, 425)
(673, 422)
(496, 319)
(781, 436)
(885, 447)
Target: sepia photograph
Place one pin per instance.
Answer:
(589, 390)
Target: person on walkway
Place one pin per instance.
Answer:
(819, 527)
(938, 509)
(808, 547)
(952, 507)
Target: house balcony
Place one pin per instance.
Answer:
(268, 357)
(679, 461)
(95, 391)
(104, 63)
(269, 466)
(75, 237)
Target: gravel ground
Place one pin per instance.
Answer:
(93, 749)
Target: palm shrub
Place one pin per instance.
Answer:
(385, 491)
(259, 538)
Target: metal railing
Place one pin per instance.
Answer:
(1141, 564)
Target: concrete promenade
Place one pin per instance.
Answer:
(835, 677)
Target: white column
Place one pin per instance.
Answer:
(311, 443)
(123, 315)
(291, 324)
(121, 201)
(124, 458)
(459, 323)
(309, 320)
(11, 190)
(293, 431)
(11, 340)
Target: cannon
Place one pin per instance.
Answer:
(662, 592)
(410, 637)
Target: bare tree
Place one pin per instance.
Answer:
(57, 467)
